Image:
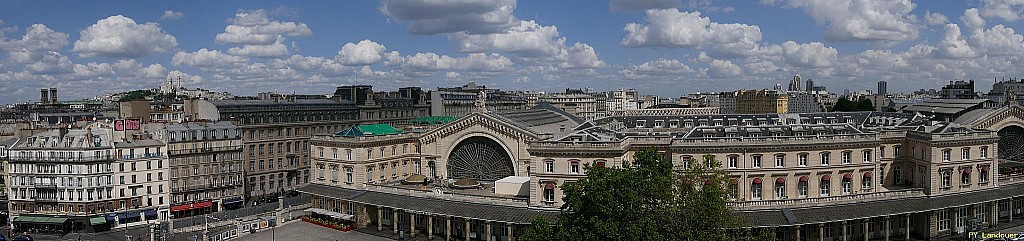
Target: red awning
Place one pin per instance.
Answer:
(600, 164)
(733, 181)
(847, 176)
(780, 180)
(803, 178)
(826, 178)
(549, 186)
(984, 170)
(191, 206)
(757, 180)
(967, 171)
(867, 174)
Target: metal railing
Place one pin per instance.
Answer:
(504, 201)
(831, 200)
(204, 150)
(64, 159)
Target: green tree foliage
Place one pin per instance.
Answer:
(135, 95)
(646, 200)
(844, 104)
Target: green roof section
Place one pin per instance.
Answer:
(432, 120)
(369, 130)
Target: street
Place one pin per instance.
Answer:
(241, 212)
(303, 231)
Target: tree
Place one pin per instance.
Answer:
(865, 105)
(646, 200)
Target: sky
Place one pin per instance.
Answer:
(661, 47)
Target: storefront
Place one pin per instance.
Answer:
(233, 203)
(192, 209)
(99, 224)
(41, 224)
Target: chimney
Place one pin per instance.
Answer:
(43, 96)
(53, 95)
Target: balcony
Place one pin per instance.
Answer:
(42, 185)
(204, 150)
(66, 159)
(45, 198)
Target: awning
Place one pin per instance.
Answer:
(826, 178)
(150, 213)
(847, 176)
(135, 214)
(110, 217)
(122, 216)
(780, 180)
(232, 200)
(191, 206)
(97, 220)
(24, 219)
(757, 180)
(803, 178)
(867, 174)
(41, 220)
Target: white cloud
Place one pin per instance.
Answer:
(274, 50)
(477, 62)
(972, 20)
(810, 55)
(671, 28)
(998, 41)
(120, 36)
(204, 58)
(868, 21)
(258, 35)
(366, 52)
(37, 38)
(527, 39)
(51, 63)
(1009, 10)
(953, 44)
(522, 80)
(582, 56)
(656, 68)
(935, 18)
(723, 69)
(438, 17)
(172, 15)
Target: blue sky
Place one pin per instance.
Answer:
(663, 47)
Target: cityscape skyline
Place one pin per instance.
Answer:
(308, 47)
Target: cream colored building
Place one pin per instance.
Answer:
(820, 176)
(761, 101)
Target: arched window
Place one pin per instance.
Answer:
(802, 187)
(755, 189)
(866, 183)
(825, 188)
(780, 188)
(847, 182)
(574, 167)
(549, 192)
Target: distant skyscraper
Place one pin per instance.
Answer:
(794, 85)
(881, 88)
(810, 85)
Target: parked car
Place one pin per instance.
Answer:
(22, 238)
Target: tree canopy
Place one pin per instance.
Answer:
(844, 104)
(647, 200)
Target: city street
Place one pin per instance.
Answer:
(241, 212)
(303, 231)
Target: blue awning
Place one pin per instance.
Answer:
(110, 217)
(232, 200)
(150, 213)
(122, 216)
(135, 214)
